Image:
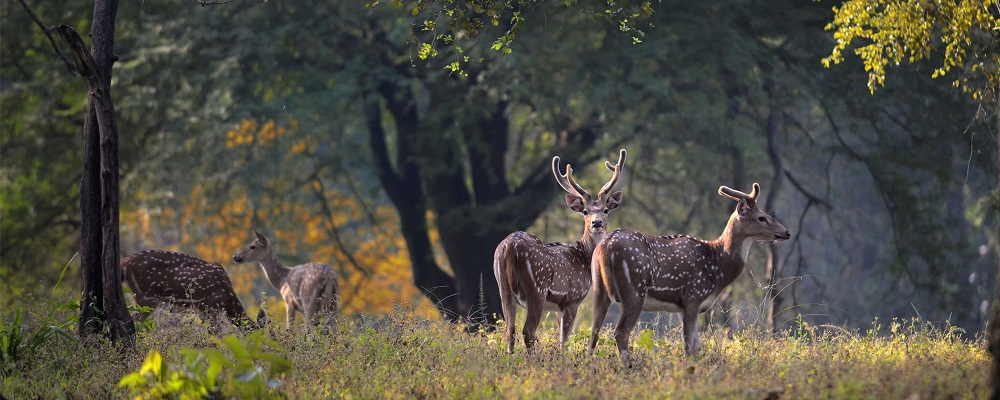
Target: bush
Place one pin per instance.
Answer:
(213, 374)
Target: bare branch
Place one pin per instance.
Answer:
(204, 3)
(48, 33)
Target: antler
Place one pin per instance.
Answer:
(738, 195)
(617, 169)
(566, 181)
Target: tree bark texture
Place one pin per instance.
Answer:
(103, 303)
(92, 302)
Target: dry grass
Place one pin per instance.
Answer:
(401, 356)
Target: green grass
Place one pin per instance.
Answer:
(401, 356)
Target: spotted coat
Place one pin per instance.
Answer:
(159, 278)
(557, 272)
(310, 288)
(676, 273)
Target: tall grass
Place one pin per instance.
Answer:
(401, 356)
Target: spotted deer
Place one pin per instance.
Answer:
(677, 273)
(555, 276)
(161, 279)
(310, 288)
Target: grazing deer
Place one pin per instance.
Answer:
(311, 288)
(675, 273)
(555, 276)
(160, 278)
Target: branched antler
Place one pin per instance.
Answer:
(566, 181)
(617, 169)
(738, 195)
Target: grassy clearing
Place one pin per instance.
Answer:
(401, 356)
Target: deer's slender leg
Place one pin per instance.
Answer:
(631, 308)
(507, 302)
(601, 304)
(567, 319)
(533, 318)
(289, 313)
(692, 343)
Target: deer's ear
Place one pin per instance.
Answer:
(575, 203)
(742, 208)
(614, 200)
(261, 238)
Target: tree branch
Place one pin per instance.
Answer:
(48, 33)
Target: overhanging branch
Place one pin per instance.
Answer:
(48, 33)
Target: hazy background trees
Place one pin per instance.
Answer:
(322, 126)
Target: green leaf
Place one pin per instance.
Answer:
(646, 339)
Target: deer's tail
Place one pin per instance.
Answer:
(602, 273)
(504, 262)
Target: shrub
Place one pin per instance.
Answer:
(213, 374)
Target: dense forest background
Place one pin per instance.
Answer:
(323, 127)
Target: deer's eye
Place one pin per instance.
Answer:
(606, 210)
(762, 219)
(253, 247)
(585, 212)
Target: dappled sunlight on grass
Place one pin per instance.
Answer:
(400, 355)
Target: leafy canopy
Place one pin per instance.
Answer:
(894, 31)
(445, 23)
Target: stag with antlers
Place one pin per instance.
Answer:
(555, 276)
(675, 273)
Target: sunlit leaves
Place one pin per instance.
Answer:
(470, 20)
(887, 33)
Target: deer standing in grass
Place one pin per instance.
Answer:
(675, 273)
(555, 276)
(310, 288)
(161, 279)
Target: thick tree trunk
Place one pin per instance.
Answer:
(404, 191)
(92, 302)
(470, 245)
(462, 179)
(103, 35)
(103, 304)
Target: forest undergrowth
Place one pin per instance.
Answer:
(399, 355)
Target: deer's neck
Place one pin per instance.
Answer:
(588, 242)
(273, 270)
(732, 249)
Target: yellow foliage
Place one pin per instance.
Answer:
(249, 132)
(894, 31)
(300, 231)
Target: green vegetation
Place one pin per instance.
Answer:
(211, 373)
(400, 355)
(321, 125)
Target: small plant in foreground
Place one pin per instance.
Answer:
(213, 374)
(19, 342)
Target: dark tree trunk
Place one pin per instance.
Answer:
(405, 192)
(103, 35)
(92, 303)
(462, 179)
(102, 304)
